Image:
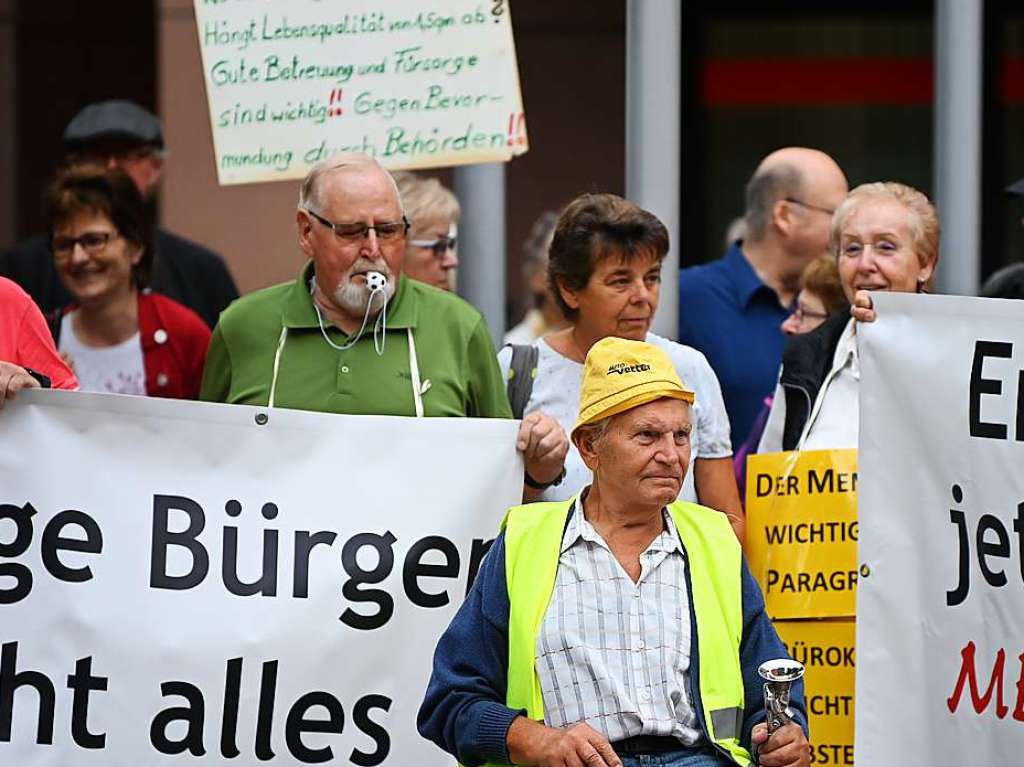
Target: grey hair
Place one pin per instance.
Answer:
(425, 198)
(765, 189)
(309, 192)
(595, 430)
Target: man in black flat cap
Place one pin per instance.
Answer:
(121, 134)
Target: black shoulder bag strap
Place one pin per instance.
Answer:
(521, 372)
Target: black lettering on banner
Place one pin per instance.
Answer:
(959, 594)
(358, 577)
(767, 484)
(305, 542)
(832, 753)
(830, 705)
(362, 720)
(22, 575)
(980, 386)
(1020, 406)
(816, 485)
(81, 683)
(831, 481)
(999, 548)
(229, 719)
(801, 582)
(297, 724)
(1018, 527)
(265, 712)
(162, 538)
(987, 549)
(415, 569)
(831, 531)
(54, 542)
(477, 553)
(266, 584)
(10, 681)
(192, 715)
(832, 656)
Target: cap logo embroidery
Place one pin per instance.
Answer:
(621, 367)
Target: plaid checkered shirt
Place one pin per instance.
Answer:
(613, 653)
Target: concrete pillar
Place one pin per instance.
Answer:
(653, 118)
(958, 40)
(481, 281)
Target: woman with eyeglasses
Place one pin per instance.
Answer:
(885, 237)
(433, 211)
(120, 337)
(821, 296)
(604, 269)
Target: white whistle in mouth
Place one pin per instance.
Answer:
(376, 281)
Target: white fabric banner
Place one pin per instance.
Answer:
(414, 83)
(189, 583)
(940, 615)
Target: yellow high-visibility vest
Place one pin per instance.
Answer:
(533, 537)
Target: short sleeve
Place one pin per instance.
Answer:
(712, 421)
(217, 369)
(37, 351)
(488, 397)
(504, 361)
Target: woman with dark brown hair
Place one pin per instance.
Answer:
(119, 336)
(605, 273)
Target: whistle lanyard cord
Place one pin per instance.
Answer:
(277, 365)
(382, 317)
(414, 368)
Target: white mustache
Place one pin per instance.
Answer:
(370, 265)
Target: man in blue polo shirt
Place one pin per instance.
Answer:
(732, 309)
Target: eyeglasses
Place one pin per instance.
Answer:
(440, 246)
(801, 314)
(91, 242)
(353, 232)
(803, 204)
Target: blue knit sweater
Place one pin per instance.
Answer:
(464, 710)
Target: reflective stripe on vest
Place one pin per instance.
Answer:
(533, 537)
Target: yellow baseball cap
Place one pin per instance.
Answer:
(619, 375)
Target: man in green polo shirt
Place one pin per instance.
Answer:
(352, 335)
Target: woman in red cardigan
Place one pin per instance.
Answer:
(119, 336)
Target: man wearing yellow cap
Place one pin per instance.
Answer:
(621, 627)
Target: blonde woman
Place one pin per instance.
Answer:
(885, 236)
(433, 211)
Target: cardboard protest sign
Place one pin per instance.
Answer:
(186, 581)
(940, 619)
(413, 83)
(827, 650)
(802, 531)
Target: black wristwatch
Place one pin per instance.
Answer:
(531, 482)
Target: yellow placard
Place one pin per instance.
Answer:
(802, 531)
(827, 650)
